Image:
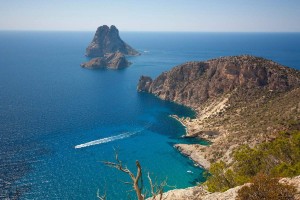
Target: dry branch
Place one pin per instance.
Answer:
(137, 180)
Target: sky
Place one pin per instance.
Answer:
(152, 15)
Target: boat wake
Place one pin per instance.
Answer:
(110, 139)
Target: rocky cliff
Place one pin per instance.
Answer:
(193, 83)
(110, 61)
(238, 100)
(107, 40)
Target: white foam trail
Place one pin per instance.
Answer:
(109, 139)
(105, 140)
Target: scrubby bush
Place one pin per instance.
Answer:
(265, 187)
(248, 161)
(278, 158)
(221, 179)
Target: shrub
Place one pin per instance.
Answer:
(222, 179)
(265, 187)
(278, 158)
(248, 161)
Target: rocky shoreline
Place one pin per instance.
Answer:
(196, 129)
(193, 151)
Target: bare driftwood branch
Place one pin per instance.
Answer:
(137, 180)
(156, 190)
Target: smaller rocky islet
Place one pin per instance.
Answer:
(108, 50)
(110, 60)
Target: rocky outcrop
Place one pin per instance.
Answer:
(107, 40)
(193, 151)
(110, 61)
(191, 193)
(295, 181)
(144, 83)
(199, 193)
(193, 83)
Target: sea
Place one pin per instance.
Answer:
(59, 122)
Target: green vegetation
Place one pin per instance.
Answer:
(277, 158)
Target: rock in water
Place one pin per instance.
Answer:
(144, 83)
(107, 40)
(110, 60)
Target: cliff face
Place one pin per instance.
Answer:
(111, 61)
(193, 83)
(107, 40)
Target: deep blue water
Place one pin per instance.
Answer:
(49, 104)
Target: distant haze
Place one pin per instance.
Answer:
(152, 15)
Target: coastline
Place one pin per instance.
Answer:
(200, 128)
(193, 151)
(197, 153)
(182, 123)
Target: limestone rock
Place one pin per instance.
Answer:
(199, 193)
(111, 61)
(194, 152)
(293, 181)
(144, 83)
(107, 40)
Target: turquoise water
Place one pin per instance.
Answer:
(49, 105)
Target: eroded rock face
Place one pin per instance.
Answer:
(111, 61)
(144, 83)
(193, 83)
(107, 40)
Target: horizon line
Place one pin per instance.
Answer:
(33, 30)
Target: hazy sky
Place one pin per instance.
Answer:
(152, 15)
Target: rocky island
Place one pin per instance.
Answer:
(108, 50)
(109, 60)
(239, 100)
